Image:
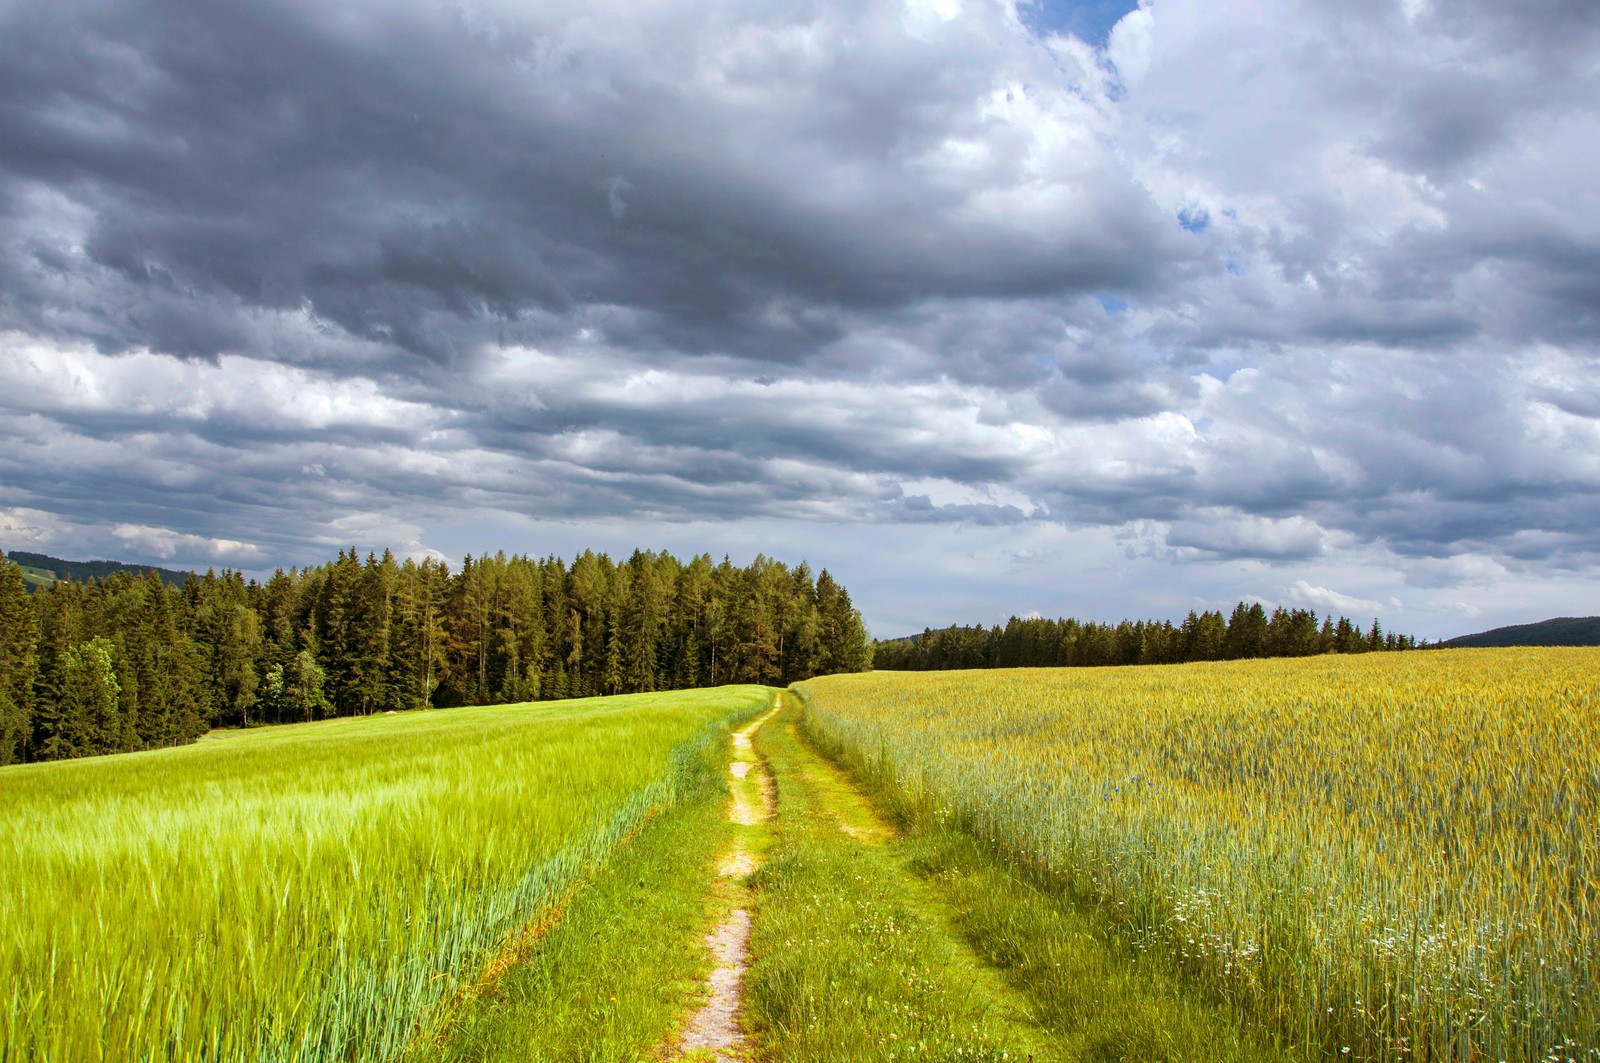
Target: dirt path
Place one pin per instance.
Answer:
(714, 1033)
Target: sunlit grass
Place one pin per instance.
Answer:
(313, 892)
(851, 963)
(1380, 857)
(610, 979)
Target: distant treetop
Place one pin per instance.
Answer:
(1560, 631)
(1039, 643)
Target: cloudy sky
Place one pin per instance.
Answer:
(987, 306)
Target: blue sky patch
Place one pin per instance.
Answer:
(1194, 219)
(1089, 20)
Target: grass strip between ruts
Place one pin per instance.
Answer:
(610, 978)
(851, 962)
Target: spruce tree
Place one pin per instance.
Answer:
(19, 663)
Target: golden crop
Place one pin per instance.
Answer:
(1390, 856)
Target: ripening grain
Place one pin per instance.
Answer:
(312, 892)
(1392, 856)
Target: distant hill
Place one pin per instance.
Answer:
(1562, 631)
(39, 570)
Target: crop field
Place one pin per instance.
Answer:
(319, 891)
(1384, 857)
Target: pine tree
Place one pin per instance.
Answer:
(59, 608)
(338, 632)
(229, 635)
(611, 677)
(650, 580)
(689, 623)
(19, 663)
(1247, 631)
(844, 643)
(755, 616)
(417, 658)
(722, 636)
(126, 736)
(802, 647)
(520, 632)
(374, 679)
(177, 662)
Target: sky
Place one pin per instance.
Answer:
(988, 307)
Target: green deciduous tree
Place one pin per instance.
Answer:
(89, 691)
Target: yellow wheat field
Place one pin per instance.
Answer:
(1388, 856)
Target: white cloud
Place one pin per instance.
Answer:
(944, 492)
(1465, 569)
(1324, 600)
(166, 543)
(925, 16)
(616, 188)
(375, 532)
(22, 528)
(1131, 45)
(71, 380)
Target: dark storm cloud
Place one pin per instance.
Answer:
(424, 180)
(1285, 284)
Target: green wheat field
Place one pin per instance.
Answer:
(313, 892)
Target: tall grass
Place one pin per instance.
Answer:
(1384, 857)
(612, 977)
(851, 961)
(312, 892)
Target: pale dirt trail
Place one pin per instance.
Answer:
(715, 1027)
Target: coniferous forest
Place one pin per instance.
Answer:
(128, 662)
(1038, 643)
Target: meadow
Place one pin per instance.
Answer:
(321, 891)
(1383, 857)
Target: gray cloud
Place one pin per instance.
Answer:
(427, 181)
(1313, 283)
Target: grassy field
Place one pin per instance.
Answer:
(616, 974)
(851, 961)
(1388, 857)
(322, 891)
(35, 578)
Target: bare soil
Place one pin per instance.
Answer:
(714, 1032)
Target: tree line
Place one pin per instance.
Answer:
(1067, 643)
(128, 662)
